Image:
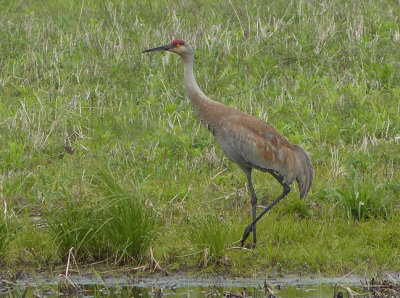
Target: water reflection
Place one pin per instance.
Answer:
(101, 291)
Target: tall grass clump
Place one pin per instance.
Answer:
(111, 224)
(77, 225)
(209, 234)
(131, 229)
(361, 197)
(131, 225)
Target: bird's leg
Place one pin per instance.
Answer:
(254, 209)
(252, 228)
(286, 190)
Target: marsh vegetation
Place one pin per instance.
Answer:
(100, 150)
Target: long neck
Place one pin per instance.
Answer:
(191, 85)
(203, 106)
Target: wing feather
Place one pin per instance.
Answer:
(253, 143)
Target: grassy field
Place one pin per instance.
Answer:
(100, 149)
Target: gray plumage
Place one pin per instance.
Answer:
(246, 140)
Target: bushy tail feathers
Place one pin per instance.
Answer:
(305, 173)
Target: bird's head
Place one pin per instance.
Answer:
(176, 46)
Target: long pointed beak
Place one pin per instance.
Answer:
(162, 48)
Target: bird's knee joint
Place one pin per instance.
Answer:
(286, 188)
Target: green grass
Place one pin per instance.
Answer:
(77, 226)
(97, 138)
(209, 234)
(111, 223)
(361, 197)
(3, 236)
(129, 215)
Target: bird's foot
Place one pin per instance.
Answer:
(247, 232)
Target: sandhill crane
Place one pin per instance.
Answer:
(246, 140)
